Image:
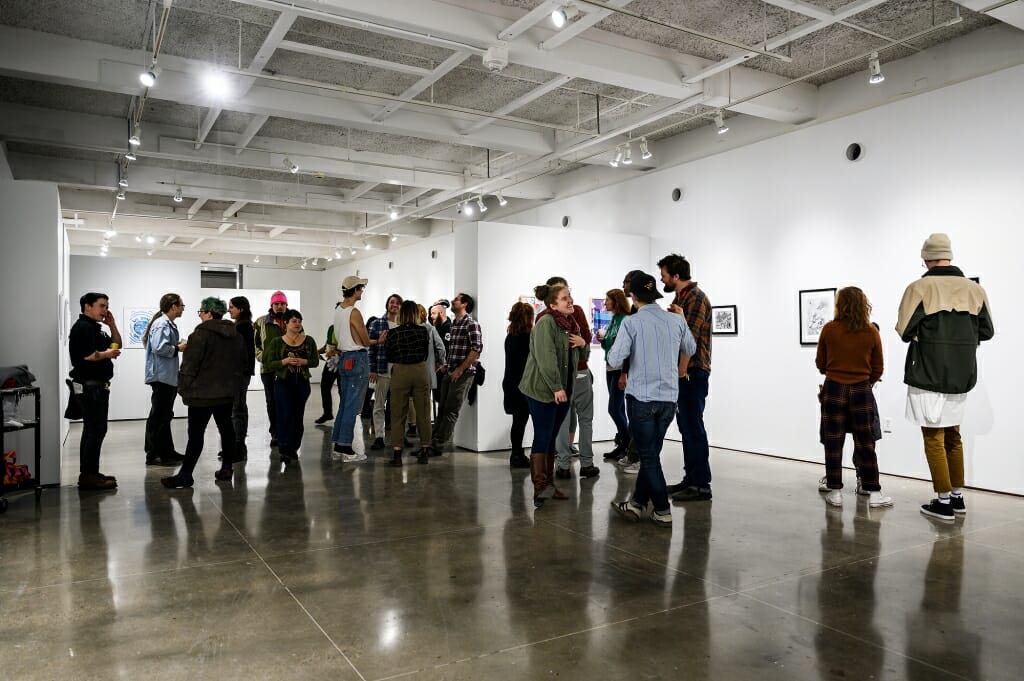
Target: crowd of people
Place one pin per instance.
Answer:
(407, 373)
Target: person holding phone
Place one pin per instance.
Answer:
(92, 353)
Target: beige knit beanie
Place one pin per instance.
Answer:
(937, 247)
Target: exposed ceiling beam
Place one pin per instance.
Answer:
(197, 242)
(196, 206)
(276, 232)
(1011, 13)
(528, 20)
(168, 241)
(250, 131)
(523, 100)
(56, 59)
(408, 198)
(337, 55)
(605, 58)
(593, 16)
(360, 190)
(234, 208)
(439, 72)
(225, 227)
(277, 33)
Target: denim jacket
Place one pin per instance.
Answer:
(162, 352)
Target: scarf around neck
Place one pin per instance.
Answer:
(566, 321)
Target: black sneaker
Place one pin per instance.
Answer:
(563, 473)
(678, 487)
(343, 449)
(957, 502)
(324, 419)
(938, 510)
(378, 444)
(615, 454)
(288, 455)
(589, 471)
(693, 494)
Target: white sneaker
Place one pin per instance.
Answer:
(631, 469)
(878, 500)
(823, 484)
(662, 519)
(834, 498)
(353, 458)
(861, 491)
(622, 461)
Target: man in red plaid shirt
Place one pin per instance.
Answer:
(459, 371)
(694, 306)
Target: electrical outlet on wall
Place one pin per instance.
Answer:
(887, 425)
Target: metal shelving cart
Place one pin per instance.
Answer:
(33, 425)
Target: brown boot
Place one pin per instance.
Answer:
(542, 488)
(549, 463)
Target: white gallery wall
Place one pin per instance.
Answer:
(33, 278)
(762, 222)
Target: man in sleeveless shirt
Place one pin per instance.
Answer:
(353, 367)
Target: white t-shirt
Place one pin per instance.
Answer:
(935, 410)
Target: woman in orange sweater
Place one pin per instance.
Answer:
(850, 356)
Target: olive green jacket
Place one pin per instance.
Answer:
(276, 351)
(551, 365)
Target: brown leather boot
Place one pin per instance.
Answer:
(549, 464)
(542, 487)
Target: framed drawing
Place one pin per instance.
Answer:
(600, 317)
(817, 308)
(724, 321)
(532, 302)
(133, 324)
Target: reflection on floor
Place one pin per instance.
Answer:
(320, 570)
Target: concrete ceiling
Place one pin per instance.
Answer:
(388, 104)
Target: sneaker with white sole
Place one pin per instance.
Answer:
(355, 457)
(957, 502)
(879, 500)
(629, 510)
(631, 469)
(662, 519)
(823, 484)
(861, 491)
(938, 510)
(834, 498)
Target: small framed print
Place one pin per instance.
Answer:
(817, 308)
(724, 321)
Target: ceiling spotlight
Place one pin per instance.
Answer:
(123, 182)
(480, 202)
(337, 255)
(564, 14)
(292, 168)
(149, 252)
(216, 84)
(178, 198)
(328, 259)
(645, 153)
(617, 158)
(256, 259)
(303, 265)
(104, 248)
(138, 238)
(720, 123)
(130, 156)
(366, 246)
(628, 158)
(351, 250)
(502, 201)
(875, 69)
(467, 208)
(136, 136)
(151, 239)
(394, 238)
(103, 253)
(120, 195)
(110, 233)
(393, 212)
(316, 261)
(149, 76)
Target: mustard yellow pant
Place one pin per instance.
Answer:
(945, 453)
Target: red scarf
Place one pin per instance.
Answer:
(566, 321)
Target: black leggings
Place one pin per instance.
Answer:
(520, 417)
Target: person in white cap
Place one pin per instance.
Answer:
(353, 367)
(944, 316)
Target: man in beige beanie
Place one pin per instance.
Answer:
(944, 316)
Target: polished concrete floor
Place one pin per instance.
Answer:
(320, 570)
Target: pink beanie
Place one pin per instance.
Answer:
(278, 297)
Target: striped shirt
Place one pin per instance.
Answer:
(652, 340)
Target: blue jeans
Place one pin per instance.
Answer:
(617, 407)
(648, 423)
(693, 393)
(353, 377)
(290, 395)
(547, 418)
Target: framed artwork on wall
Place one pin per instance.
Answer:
(724, 320)
(600, 318)
(817, 308)
(532, 302)
(133, 324)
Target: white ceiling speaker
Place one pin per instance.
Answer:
(496, 57)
